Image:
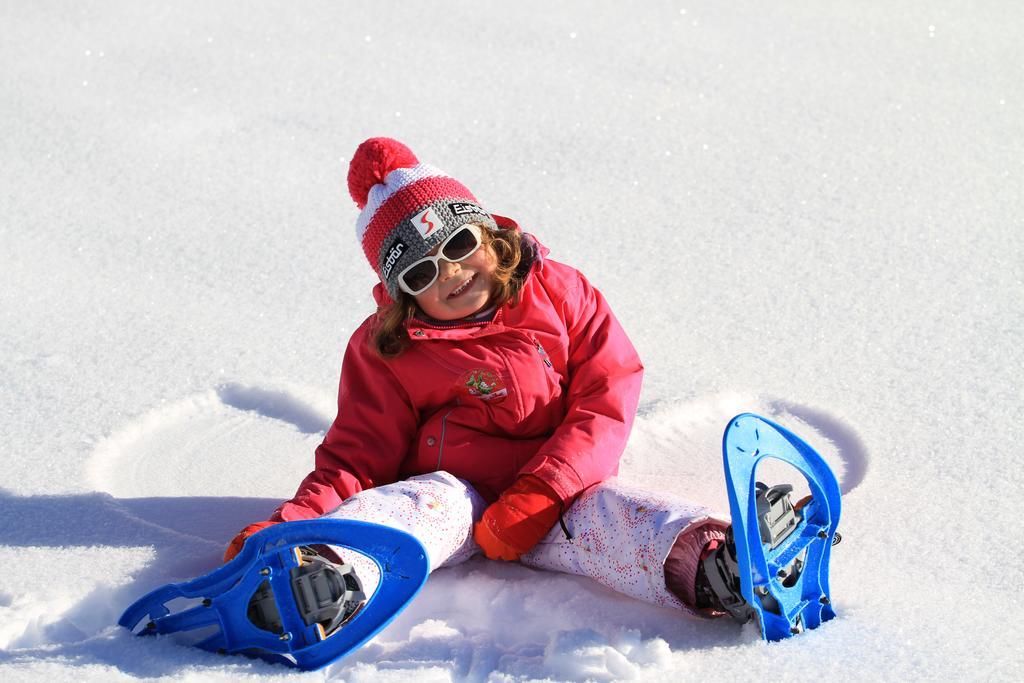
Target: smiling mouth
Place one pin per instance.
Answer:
(462, 288)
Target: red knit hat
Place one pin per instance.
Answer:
(408, 208)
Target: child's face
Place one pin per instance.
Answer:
(461, 288)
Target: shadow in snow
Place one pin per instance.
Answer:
(102, 520)
(852, 450)
(187, 536)
(274, 403)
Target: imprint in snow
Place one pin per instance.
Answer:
(234, 440)
(678, 445)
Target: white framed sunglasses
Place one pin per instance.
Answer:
(420, 275)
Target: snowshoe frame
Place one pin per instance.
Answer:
(270, 556)
(787, 582)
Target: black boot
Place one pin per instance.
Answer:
(718, 583)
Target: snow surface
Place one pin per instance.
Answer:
(811, 210)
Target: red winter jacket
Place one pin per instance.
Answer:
(547, 387)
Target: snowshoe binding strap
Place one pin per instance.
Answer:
(776, 518)
(326, 593)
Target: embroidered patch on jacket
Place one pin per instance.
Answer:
(484, 385)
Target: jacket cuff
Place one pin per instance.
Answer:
(290, 512)
(560, 476)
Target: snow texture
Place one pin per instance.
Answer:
(809, 210)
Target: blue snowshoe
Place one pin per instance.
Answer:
(287, 598)
(773, 565)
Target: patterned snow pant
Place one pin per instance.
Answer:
(635, 542)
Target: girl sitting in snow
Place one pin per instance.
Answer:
(486, 403)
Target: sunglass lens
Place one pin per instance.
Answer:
(462, 244)
(420, 276)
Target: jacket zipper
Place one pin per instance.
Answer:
(440, 446)
(541, 351)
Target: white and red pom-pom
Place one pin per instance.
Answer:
(372, 162)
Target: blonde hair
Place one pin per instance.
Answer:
(390, 337)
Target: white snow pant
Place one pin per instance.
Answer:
(622, 536)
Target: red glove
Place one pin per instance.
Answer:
(520, 518)
(238, 541)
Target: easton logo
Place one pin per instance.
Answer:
(427, 221)
(462, 208)
(397, 249)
